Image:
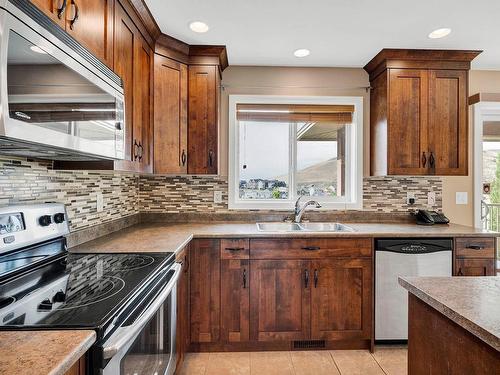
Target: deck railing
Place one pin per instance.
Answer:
(490, 215)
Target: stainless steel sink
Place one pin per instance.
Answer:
(278, 227)
(325, 227)
(303, 227)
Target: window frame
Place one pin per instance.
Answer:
(354, 149)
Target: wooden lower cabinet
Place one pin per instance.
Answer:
(182, 329)
(341, 299)
(279, 300)
(474, 267)
(78, 368)
(204, 298)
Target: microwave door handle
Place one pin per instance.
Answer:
(123, 336)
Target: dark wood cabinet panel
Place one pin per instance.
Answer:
(474, 267)
(204, 291)
(78, 368)
(407, 142)
(475, 247)
(55, 9)
(235, 300)
(341, 299)
(203, 119)
(279, 300)
(93, 26)
(170, 116)
(182, 333)
(448, 121)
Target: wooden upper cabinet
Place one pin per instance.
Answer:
(55, 9)
(90, 22)
(448, 121)
(204, 291)
(280, 292)
(418, 114)
(170, 116)
(203, 117)
(341, 299)
(407, 138)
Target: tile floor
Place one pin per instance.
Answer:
(387, 360)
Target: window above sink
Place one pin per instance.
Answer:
(283, 147)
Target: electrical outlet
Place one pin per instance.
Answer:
(100, 202)
(461, 197)
(217, 196)
(431, 198)
(410, 198)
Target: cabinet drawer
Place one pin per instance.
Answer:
(475, 247)
(234, 249)
(309, 248)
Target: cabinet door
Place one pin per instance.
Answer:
(55, 9)
(279, 300)
(448, 121)
(90, 22)
(142, 110)
(341, 299)
(407, 139)
(475, 267)
(170, 116)
(124, 47)
(235, 300)
(205, 291)
(202, 119)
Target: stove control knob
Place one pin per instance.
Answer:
(59, 297)
(46, 305)
(45, 220)
(59, 218)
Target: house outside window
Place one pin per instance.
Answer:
(282, 147)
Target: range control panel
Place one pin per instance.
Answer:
(25, 225)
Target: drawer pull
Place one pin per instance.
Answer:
(311, 248)
(475, 247)
(235, 248)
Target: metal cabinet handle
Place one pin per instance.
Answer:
(459, 273)
(235, 248)
(315, 278)
(424, 159)
(244, 278)
(75, 18)
(210, 158)
(475, 247)
(432, 160)
(136, 150)
(61, 10)
(183, 158)
(311, 248)
(141, 153)
(306, 278)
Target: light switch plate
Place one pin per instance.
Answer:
(410, 195)
(461, 197)
(100, 202)
(431, 198)
(217, 196)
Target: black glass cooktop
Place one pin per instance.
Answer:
(77, 290)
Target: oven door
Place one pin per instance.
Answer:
(144, 344)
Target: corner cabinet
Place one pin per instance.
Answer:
(418, 114)
(203, 119)
(281, 294)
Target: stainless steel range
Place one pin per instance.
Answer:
(128, 299)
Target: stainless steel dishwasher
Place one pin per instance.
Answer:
(404, 257)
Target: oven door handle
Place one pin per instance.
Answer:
(123, 336)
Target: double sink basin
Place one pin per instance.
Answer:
(303, 227)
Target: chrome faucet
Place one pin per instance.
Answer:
(300, 211)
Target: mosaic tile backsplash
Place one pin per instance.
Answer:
(124, 194)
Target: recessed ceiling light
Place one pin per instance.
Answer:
(302, 52)
(198, 27)
(38, 50)
(439, 33)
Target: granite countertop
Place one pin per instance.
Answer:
(163, 237)
(42, 352)
(471, 302)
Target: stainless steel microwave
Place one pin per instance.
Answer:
(57, 100)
